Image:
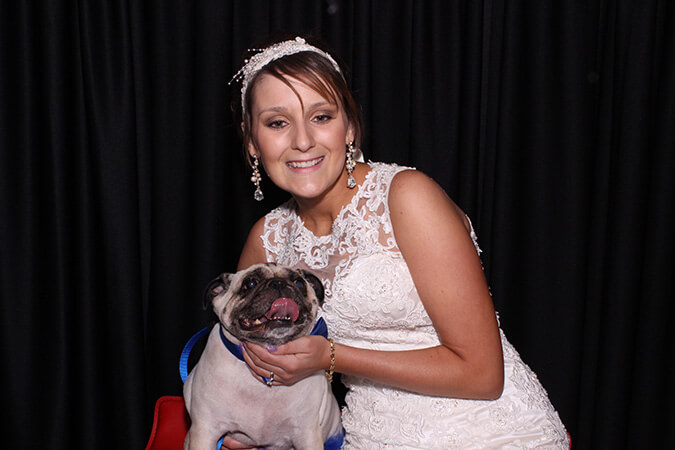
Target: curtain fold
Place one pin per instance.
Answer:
(629, 344)
(123, 190)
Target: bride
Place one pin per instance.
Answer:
(416, 337)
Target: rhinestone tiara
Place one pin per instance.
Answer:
(272, 53)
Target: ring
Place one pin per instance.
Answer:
(270, 380)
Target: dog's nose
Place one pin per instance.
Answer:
(277, 284)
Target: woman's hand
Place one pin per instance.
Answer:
(290, 362)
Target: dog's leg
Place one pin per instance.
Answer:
(199, 440)
(311, 440)
(186, 442)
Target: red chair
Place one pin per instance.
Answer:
(170, 424)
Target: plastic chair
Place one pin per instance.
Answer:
(170, 424)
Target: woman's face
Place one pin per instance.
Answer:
(300, 138)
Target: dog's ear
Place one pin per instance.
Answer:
(216, 287)
(316, 284)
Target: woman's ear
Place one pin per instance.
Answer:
(251, 150)
(350, 134)
(351, 138)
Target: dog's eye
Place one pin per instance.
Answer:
(299, 283)
(249, 283)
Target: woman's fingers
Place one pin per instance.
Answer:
(260, 368)
(290, 362)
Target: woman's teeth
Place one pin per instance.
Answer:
(304, 164)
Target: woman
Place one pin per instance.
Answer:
(416, 335)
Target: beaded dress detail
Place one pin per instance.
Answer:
(371, 302)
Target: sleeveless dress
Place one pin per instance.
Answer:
(371, 302)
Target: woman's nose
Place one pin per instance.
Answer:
(303, 139)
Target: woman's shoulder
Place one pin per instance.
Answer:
(407, 185)
(404, 187)
(379, 179)
(387, 171)
(253, 251)
(266, 234)
(410, 184)
(413, 195)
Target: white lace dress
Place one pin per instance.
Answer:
(371, 302)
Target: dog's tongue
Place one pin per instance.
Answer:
(283, 307)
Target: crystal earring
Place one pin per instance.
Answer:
(350, 164)
(255, 179)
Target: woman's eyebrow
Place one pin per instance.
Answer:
(319, 104)
(273, 108)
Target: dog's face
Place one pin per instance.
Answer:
(266, 303)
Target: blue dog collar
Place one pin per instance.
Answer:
(335, 442)
(320, 329)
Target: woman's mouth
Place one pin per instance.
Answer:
(304, 164)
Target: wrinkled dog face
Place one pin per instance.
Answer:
(266, 303)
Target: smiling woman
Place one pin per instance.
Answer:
(406, 302)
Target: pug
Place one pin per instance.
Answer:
(266, 304)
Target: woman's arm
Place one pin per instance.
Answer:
(434, 241)
(436, 245)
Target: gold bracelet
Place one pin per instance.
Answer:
(331, 368)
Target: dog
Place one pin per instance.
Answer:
(267, 304)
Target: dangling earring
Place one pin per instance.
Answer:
(255, 178)
(350, 164)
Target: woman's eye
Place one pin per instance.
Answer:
(276, 124)
(323, 118)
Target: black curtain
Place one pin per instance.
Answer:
(123, 190)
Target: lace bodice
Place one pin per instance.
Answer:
(371, 302)
(358, 260)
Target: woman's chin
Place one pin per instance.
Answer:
(307, 193)
(309, 189)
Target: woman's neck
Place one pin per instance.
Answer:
(318, 214)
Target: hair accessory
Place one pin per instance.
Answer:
(350, 164)
(255, 179)
(272, 53)
(331, 368)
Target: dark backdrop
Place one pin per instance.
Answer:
(123, 191)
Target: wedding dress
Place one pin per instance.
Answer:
(371, 302)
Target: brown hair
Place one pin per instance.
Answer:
(315, 71)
